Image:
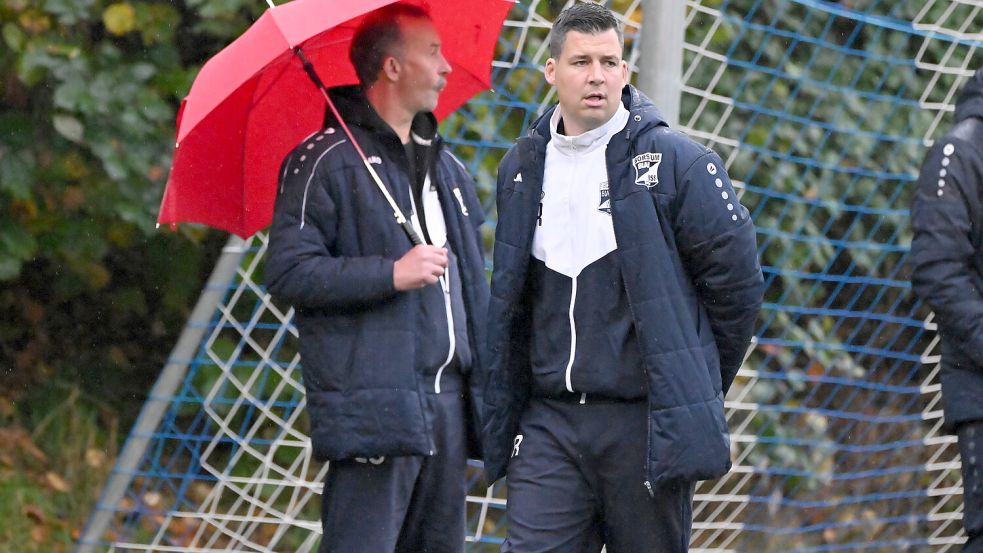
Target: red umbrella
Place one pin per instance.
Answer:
(252, 102)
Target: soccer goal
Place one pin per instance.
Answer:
(822, 111)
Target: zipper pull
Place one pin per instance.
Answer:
(460, 201)
(648, 486)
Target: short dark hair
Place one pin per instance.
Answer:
(378, 37)
(583, 17)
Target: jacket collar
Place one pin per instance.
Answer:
(355, 108)
(641, 111)
(591, 139)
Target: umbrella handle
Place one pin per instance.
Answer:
(411, 233)
(397, 213)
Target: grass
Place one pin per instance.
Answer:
(57, 445)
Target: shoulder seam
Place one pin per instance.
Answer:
(454, 157)
(303, 205)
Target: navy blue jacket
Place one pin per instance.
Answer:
(331, 252)
(690, 271)
(947, 252)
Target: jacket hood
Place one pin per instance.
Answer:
(970, 102)
(643, 113)
(355, 109)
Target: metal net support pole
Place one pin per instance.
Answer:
(660, 62)
(162, 393)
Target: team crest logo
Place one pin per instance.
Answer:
(605, 205)
(647, 168)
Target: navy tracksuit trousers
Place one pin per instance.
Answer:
(576, 483)
(971, 451)
(403, 504)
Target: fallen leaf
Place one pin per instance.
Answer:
(57, 482)
(156, 172)
(816, 369)
(39, 533)
(34, 513)
(18, 440)
(151, 499)
(7, 407)
(95, 458)
(200, 491)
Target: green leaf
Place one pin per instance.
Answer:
(70, 94)
(9, 268)
(16, 173)
(16, 129)
(16, 242)
(69, 12)
(69, 127)
(143, 71)
(33, 64)
(14, 37)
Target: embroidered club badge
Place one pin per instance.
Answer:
(605, 205)
(647, 168)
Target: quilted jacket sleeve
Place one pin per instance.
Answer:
(301, 268)
(942, 251)
(716, 240)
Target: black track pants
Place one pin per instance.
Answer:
(971, 450)
(576, 483)
(402, 504)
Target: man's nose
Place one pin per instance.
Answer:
(445, 67)
(596, 73)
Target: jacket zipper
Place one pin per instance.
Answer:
(573, 334)
(445, 284)
(648, 416)
(631, 309)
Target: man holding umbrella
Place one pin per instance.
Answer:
(389, 332)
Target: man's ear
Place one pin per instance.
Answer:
(550, 71)
(391, 68)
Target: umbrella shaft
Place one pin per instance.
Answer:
(400, 219)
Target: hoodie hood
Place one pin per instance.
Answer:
(355, 108)
(643, 113)
(970, 102)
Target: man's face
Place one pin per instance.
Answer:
(588, 76)
(424, 70)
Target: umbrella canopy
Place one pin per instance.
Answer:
(252, 103)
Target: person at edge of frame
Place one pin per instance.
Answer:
(947, 274)
(389, 332)
(625, 289)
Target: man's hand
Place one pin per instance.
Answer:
(419, 267)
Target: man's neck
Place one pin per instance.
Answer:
(389, 109)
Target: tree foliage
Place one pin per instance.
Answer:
(88, 95)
